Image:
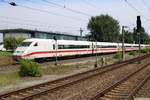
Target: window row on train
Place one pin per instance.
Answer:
(106, 46)
(82, 46)
(86, 46)
(73, 46)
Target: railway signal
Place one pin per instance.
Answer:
(138, 25)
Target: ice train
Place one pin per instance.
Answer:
(49, 48)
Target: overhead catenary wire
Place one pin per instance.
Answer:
(134, 8)
(145, 4)
(23, 24)
(31, 26)
(39, 22)
(65, 7)
(48, 12)
(93, 5)
(45, 11)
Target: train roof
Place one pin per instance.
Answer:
(71, 42)
(74, 42)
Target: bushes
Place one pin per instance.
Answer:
(118, 55)
(11, 43)
(147, 50)
(133, 53)
(29, 68)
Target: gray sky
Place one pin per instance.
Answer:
(40, 15)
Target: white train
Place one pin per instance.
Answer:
(48, 48)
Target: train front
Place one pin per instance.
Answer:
(21, 50)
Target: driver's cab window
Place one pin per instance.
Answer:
(36, 44)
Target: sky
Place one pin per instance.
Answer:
(68, 16)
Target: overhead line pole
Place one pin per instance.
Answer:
(123, 49)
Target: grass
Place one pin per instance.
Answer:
(11, 77)
(62, 69)
(117, 55)
(133, 53)
(6, 58)
(5, 53)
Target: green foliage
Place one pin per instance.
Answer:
(118, 55)
(147, 50)
(29, 68)
(144, 37)
(104, 28)
(11, 43)
(128, 37)
(133, 53)
(5, 53)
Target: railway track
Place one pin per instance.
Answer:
(125, 88)
(41, 89)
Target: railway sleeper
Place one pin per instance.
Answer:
(37, 90)
(24, 94)
(114, 91)
(44, 87)
(114, 97)
(121, 87)
(118, 89)
(105, 98)
(121, 94)
(14, 97)
(29, 92)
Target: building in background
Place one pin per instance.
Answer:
(25, 33)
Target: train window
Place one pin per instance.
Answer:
(25, 44)
(106, 46)
(128, 46)
(36, 44)
(73, 46)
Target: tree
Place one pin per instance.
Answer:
(11, 43)
(128, 37)
(104, 28)
(144, 37)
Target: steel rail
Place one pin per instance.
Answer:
(105, 91)
(104, 69)
(135, 90)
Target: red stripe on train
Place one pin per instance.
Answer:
(64, 51)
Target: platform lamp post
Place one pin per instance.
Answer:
(123, 48)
